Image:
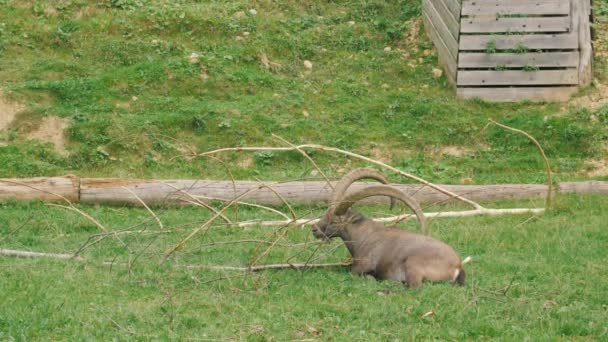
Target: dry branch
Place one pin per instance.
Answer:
(268, 267)
(353, 155)
(28, 254)
(542, 153)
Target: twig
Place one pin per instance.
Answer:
(293, 214)
(85, 215)
(198, 202)
(236, 206)
(263, 242)
(100, 237)
(254, 205)
(350, 154)
(303, 153)
(268, 267)
(392, 219)
(71, 206)
(542, 153)
(208, 222)
(18, 228)
(27, 254)
(221, 278)
(160, 223)
(261, 255)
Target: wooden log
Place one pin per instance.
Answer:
(40, 188)
(96, 191)
(112, 191)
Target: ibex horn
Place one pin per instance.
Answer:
(382, 190)
(353, 176)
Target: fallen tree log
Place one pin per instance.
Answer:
(49, 189)
(155, 192)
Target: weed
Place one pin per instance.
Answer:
(491, 46)
(530, 68)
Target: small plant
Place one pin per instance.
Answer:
(521, 48)
(491, 46)
(500, 67)
(264, 158)
(530, 68)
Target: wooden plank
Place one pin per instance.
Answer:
(582, 27)
(517, 77)
(446, 59)
(531, 41)
(454, 7)
(517, 60)
(440, 28)
(502, 7)
(532, 24)
(40, 188)
(548, 94)
(446, 16)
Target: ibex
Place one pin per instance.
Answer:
(386, 252)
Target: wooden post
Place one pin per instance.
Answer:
(581, 14)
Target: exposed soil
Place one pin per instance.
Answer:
(599, 168)
(454, 151)
(51, 129)
(8, 111)
(595, 100)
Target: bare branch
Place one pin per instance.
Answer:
(542, 153)
(268, 267)
(160, 223)
(307, 157)
(27, 254)
(350, 154)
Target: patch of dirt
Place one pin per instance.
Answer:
(454, 151)
(246, 163)
(595, 100)
(386, 153)
(51, 129)
(8, 111)
(598, 168)
(414, 26)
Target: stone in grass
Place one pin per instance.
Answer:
(194, 58)
(308, 65)
(437, 72)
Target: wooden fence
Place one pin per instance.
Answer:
(511, 50)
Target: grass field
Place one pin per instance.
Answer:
(553, 268)
(121, 75)
(126, 88)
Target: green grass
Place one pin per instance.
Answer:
(554, 263)
(120, 70)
